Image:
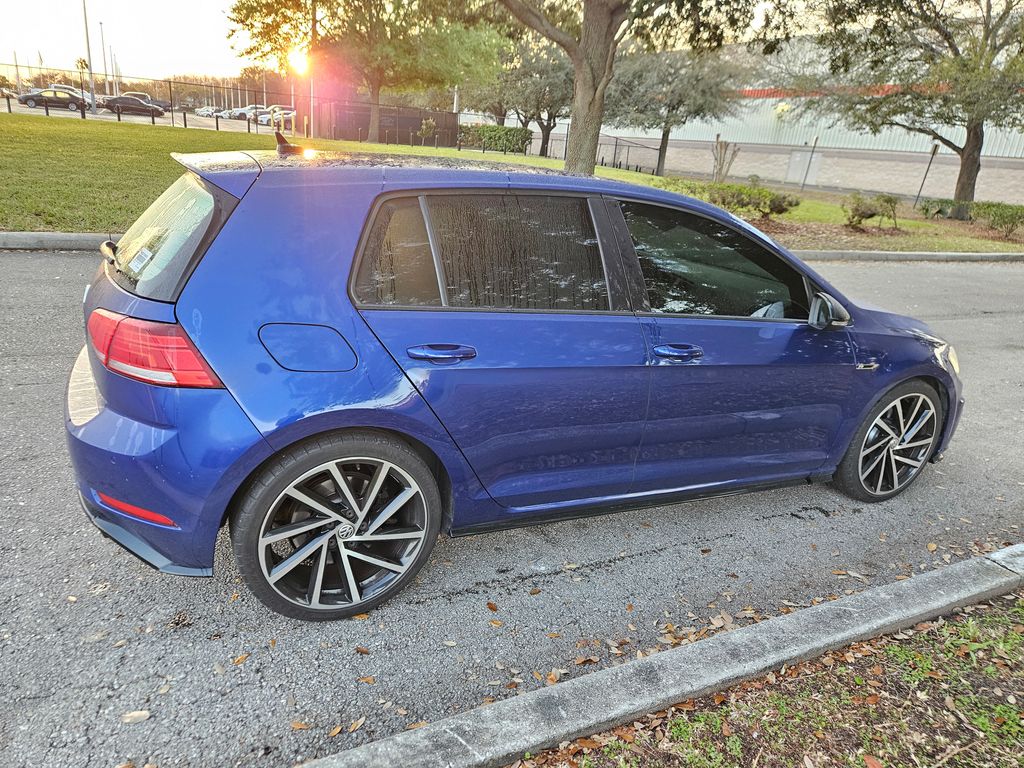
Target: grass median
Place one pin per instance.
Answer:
(949, 693)
(97, 176)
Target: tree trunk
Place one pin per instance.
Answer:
(499, 118)
(970, 166)
(663, 150)
(592, 69)
(373, 134)
(546, 127)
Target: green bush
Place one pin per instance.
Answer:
(495, 138)
(887, 205)
(859, 209)
(749, 199)
(932, 209)
(1004, 217)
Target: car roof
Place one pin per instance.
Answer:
(235, 172)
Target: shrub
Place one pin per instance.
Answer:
(736, 198)
(428, 127)
(859, 209)
(932, 209)
(1003, 217)
(495, 138)
(887, 205)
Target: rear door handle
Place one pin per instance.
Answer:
(679, 351)
(442, 354)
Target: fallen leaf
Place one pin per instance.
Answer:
(240, 659)
(357, 724)
(495, 622)
(726, 730)
(872, 699)
(299, 726)
(414, 726)
(273, 642)
(629, 606)
(450, 643)
(589, 743)
(334, 732)
(872, 762)
(361, 616)
(535, 591)
(931, 548)
(719, 698)
(553, 635)
(492, 607)
(136, 716)
(369, 680)
(362, 651)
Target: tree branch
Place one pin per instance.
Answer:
(928, 132)
(536, 19)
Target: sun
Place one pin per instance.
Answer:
(298, 60)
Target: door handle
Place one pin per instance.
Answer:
(443, 354)
(679, 351)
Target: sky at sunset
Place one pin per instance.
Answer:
(153, 38)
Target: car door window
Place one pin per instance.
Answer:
(698, 266)
(492, 251)
(518, 251)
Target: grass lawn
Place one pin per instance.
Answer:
(98, 176)
(947, 693)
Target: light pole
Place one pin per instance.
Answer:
(88, 54)
(106, 77)
(299, 61)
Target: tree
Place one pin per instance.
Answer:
(591, 36)
(539, 87)
(946, 69)
(664, 90)
(401, 45)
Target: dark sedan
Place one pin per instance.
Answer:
(53, 98)
(129, 105)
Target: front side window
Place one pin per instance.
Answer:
(697, 266)
(493, 251)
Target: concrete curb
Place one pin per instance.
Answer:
(500, 733)
(54, 241)
(905, 256)
(90, 241)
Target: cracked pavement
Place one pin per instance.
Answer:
(88, 633)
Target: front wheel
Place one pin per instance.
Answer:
(896, 440)
(72, 107)
(335, 526)
(30, 103)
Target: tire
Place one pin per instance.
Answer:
(72, 107)
(321, 570)
(891, 448)
(30, 103)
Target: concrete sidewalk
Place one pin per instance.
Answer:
(500, 733)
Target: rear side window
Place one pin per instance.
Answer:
(156, 255)
(398, 267)
(494, 251)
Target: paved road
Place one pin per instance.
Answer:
(87, 633)
(193, 121)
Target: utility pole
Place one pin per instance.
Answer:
(106, 77)
(17, 73)
(88, 54)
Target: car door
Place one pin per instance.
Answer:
(743, 390)
(507, 312)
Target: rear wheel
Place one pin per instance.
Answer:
(30, 103)
(336, 526)
(894, 443)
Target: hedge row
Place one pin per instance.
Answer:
(740, 199)
(1005, 218)
(495, 138)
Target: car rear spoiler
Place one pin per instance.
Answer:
(233, 172)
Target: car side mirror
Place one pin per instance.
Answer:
(827, 313)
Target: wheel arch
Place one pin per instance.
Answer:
(428, 455)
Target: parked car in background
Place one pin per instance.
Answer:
(53, 99)
(277, 114)
(205, 111)
(83, 95)
(130, 105)
(142, 96)
(241, 113)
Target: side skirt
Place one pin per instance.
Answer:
(523, 520)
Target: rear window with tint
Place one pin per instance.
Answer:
(495, 251)
(156, 255)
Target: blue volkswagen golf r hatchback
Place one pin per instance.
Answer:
(342, 356)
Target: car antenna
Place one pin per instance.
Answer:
(284, 148)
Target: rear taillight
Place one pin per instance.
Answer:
(156, 353)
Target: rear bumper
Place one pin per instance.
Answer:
(114, 529)
(178, 453)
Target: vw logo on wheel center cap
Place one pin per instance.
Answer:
(344, 530)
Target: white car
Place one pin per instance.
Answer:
(206, 111)
(276, 118)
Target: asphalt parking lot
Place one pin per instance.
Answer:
(88, 633)
(193, 121)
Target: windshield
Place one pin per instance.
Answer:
(156, 255)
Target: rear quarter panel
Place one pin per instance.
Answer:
(284, 257)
